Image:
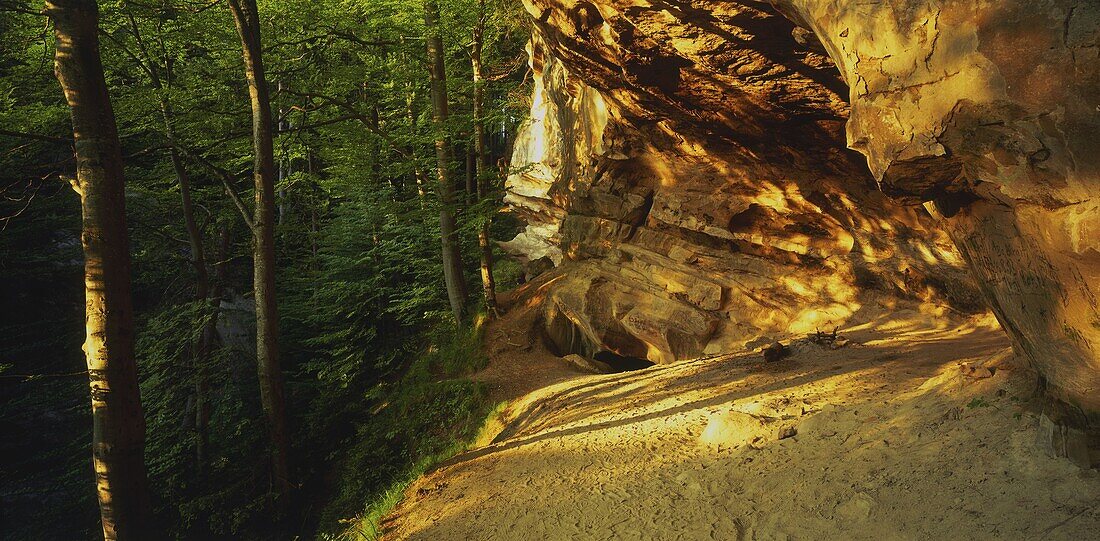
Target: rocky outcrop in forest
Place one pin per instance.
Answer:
(693, 169)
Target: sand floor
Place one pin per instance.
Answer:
(886, 438)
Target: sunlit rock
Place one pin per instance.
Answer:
(990, 111)
(680, 237)
(731, 429)
(731, 119)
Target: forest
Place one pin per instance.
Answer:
(280, 216)
(444, 270)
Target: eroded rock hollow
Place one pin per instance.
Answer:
(692, 167)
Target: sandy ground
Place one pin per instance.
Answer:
(887, 438)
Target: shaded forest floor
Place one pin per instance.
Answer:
(519, 363)
(919, 429)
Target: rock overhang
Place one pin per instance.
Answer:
(731, 118)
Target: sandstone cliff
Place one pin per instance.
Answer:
(687, 229)
(687, 164)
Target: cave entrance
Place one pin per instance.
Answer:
(622, 363)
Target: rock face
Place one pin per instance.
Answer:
(991, 112)
(682, 227)
(687, 163)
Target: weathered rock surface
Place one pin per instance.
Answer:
(681, 236)
(731, 429)
(686, 162)
(991, 111)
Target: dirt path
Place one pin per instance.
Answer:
(891, 441)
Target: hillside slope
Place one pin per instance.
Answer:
(915, 430)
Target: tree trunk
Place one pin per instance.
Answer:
(205, 343)
(377, 152)
(452, 260)
(418, 174)
(206, 339)
(118, 435)
(286, 164)
(263, 244)
(483, 166)
(471, 174)
(202, 346)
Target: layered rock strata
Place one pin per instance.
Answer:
(687, 163)
(684, 227)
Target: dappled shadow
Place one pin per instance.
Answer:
(570, 408)
(632, 466)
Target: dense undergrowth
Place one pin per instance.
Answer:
(431, 414)
(379, 393)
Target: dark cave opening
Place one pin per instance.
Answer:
(622, 363)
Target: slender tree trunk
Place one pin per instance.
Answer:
(418, 173)
(452, 260)
(201, 348)
(118, 434)
(483, 167)
(471, 174)
(217, 287)
(205, 343)
(208, 340)
(202, 294)
(313, 226)
(263, 244)
(377, 153)
(411, 113)
(286, 165)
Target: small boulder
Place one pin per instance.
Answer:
(588, 365)
(856, 509)
(775, 352)
(827, 422)
(976, 371)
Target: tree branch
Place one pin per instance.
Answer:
(354, 113)
(31, 377)
(38, 137)
(6, 5)
(227, 181)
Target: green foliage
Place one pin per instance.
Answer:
(219, 498)
(381, 358)
(367, 525)
(461, 354)
(508, 273)
(418, 423)
(375, 370)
